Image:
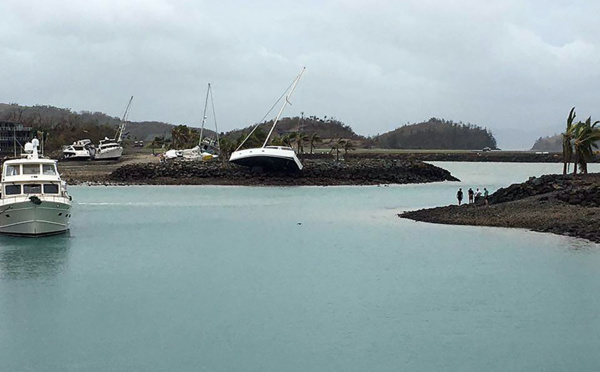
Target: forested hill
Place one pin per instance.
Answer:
(65, 126)
(437, 134)
(324, 128)
(550, 144)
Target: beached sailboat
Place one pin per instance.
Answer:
(33, 198)
(111, 149)
(208, 147)
(270, 157)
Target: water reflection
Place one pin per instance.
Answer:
(28, 258)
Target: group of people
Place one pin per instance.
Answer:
(474, 196)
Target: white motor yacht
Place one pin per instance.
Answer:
(269, 157)
(80, 150)
(33, 198)
(111, 149)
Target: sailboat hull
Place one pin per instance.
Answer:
(269, 158)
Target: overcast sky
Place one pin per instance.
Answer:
(514, 67)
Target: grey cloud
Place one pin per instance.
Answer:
(515, 68)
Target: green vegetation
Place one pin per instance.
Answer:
(579, 139)
(437, 134)
(304, 133)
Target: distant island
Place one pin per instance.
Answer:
(550, 144)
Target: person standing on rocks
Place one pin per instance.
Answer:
(477, 195)
(485, 195)
(459, 196)
(470, 195)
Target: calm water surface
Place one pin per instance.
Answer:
(297, 279)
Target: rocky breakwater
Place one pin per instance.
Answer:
(316, 172)
(565, 205)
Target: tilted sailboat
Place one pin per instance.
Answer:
(111, 149)
(270, 157)
(208, 147)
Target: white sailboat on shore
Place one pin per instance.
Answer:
(270, 157)
(208, 147)
(111, 149)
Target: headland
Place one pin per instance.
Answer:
(564, 205)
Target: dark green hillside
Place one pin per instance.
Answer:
(550, 144)
(437, 134)
(64, 126)
(324, 128)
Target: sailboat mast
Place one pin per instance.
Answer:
(122, 126)
(203, 119)
(287, 100)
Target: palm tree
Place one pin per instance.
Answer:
(301, 138)
(336, 146)
(313, 140)
(288, 139)
(348, 146)
(586, 136)
(567, 141)
(184, 136)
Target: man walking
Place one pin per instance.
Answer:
(459, 196)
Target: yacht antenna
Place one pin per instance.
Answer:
(287, 100)
(125, 115)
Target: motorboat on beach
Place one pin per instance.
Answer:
(33, 198)
(79, 150)
(111, 149)
(270, 157)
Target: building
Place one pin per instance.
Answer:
(13, 134)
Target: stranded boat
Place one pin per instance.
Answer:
(208, 147)
(111, 149)
(270, 157)
(80, 150)
(33, 198)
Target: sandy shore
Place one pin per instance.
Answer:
(564, 205)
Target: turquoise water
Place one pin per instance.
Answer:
(296, 279)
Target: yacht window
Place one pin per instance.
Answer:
(31, 169)
(48, 169)
(13, 170)
(50, 188)
(12, 189)
(32, 189)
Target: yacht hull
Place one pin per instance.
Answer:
(111, 154)
(75, 156)
(266, 158)
(24, 217)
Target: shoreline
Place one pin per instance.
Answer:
(316, 172)
(563, 205)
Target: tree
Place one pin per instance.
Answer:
(348, 146)
(184, 137)
(313, 140)
(301, 138)
(586, 136)
(336, 146)
(159, 141)
(567, 137)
